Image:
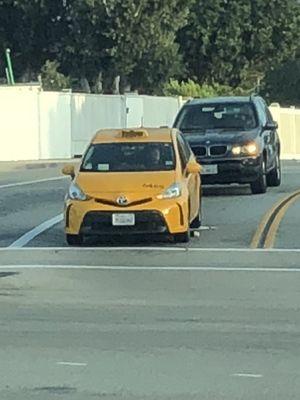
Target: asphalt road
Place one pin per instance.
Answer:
(148, 320)
(152, 332)
(231, 214)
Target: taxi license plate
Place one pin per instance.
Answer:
(123, 219)
(211, 169)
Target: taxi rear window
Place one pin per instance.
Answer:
(129, 157)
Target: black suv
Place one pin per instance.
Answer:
(235, 140)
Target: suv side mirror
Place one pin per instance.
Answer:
(271, 126)
(193, 168)
(69, 170)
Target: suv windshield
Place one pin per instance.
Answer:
(129, 157)
(217, 116)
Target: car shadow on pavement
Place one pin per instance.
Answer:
(138, 241)
(234, 190)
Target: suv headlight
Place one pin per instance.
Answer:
(75, 193)
(172, 192)
(249, 149)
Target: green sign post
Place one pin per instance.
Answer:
(9, 69)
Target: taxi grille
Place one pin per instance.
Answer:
(100, 223)
(130, 204)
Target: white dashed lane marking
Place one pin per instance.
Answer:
(11, 185)
(27, 237)
(71, 364)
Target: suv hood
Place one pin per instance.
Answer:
(219, 136)
(113, 184)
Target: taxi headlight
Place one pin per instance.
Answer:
(172, 192)
(249, 149)
(75, 193)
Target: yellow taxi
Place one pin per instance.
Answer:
(133, 182)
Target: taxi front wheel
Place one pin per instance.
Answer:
(183, 237)
(74, 240)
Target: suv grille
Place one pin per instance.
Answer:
(199, 151)
(218, 150)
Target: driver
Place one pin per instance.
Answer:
(154, 156)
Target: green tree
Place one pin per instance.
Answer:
(34, 30)
(52, 79)
(133, 39)
(283, 84)
(236, 41)
(190, 88)
(144, 52)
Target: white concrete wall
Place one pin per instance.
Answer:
(289, 131)
(159, 111)
(134, 111)
(19, 126)
(91, 112)
(46, 125)
(55, 125)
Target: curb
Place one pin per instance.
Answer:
(17, 165)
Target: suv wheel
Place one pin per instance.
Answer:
(74, 240)
(260, 185)
(274, 176)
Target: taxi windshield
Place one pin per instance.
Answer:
(129, 157)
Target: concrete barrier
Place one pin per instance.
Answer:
(90, 112)
(19, 126)
(289, 130)
(37, 125)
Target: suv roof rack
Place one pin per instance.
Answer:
(190, 99)
(253, 95)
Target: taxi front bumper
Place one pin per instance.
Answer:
(160, 217)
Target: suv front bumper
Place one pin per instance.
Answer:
(241, 171)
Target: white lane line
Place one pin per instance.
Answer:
(72, 364)
(241, 375)
(144, 248)
(150, 268)
(205, 228)
(241, 250)
(96, 249)
(27, 237)
(10, 185)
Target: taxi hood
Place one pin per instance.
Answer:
(142, 183)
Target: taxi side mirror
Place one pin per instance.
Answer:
(69, 170)
(193, 168)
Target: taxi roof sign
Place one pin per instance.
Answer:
(133, 133)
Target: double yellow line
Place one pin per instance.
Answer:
(265, 235)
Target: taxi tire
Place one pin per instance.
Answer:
(74, 240)
(196, 223)
(183, 237)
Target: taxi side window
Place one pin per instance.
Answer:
(182, 152)
(187, 149)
